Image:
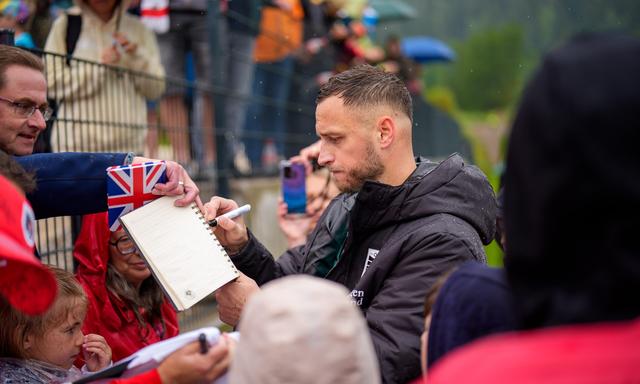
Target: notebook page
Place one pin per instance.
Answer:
(180, 249)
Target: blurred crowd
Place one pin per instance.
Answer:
(402, 234)
(273, 57)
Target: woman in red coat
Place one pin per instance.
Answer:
(126, 305)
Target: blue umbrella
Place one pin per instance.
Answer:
(425, 49)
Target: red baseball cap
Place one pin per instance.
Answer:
(27, 284)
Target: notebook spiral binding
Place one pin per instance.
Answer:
(215, 239)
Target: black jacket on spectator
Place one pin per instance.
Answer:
(572, 192)
(406, 236)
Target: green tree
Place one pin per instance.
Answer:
(487, 72)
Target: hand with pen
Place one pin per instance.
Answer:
(195, 364)
(231, 232)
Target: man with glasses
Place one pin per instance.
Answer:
(23, 101)
(76, 182)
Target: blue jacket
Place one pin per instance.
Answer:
(69, 183)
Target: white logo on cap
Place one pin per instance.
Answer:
(28, 224)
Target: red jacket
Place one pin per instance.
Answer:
(107, 315)
(150, 377)
(596, 353)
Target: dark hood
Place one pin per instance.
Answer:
(451, 187)
(572, 192)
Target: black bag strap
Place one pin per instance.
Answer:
(74, 25)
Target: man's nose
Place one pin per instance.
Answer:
(37, 120)
(324, 157)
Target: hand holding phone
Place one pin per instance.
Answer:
(293, 179)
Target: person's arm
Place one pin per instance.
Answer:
(395, 316)
(258, 263)
(69, 183)
(188, 365)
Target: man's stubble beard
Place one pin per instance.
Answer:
(371, 169)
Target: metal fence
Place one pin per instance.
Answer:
(102, 108)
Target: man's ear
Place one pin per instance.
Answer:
(386, 131)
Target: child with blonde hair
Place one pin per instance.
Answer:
(43, 349)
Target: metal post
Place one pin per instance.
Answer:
(217, 83)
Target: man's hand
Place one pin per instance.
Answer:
(188, 365)
(97, 353)
(178, 183)
(231, 233)
(306, 155)
(232, 297)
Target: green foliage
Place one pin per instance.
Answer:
(486, 74)
(442, 98)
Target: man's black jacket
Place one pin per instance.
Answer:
(388, 245)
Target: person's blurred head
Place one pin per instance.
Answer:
(103, 8)
(572, 191)
(392, 47)
(13, 171)
(429, 302)
(363, 119)
(473, 302)
(22, 87)
(13, 13)
(302, 329)
(55, 337)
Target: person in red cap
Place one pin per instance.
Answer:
(24, 282)
(30, 287)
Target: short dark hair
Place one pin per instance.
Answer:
(10, 55)
(13, 171)
(366, 86)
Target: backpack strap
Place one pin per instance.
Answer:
(74, 25)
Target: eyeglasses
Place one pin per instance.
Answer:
(26, 109)
(124, 245)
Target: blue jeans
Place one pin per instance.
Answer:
(267, 118)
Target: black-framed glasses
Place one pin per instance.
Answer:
(26, 109)
(125, 245)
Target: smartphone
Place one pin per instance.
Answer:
(294, 193)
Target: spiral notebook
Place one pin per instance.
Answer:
(180, 249)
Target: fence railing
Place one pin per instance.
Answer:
(212, 126)
(101, 108)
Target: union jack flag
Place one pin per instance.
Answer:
(129, 187)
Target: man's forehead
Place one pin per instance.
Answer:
(25, 82)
